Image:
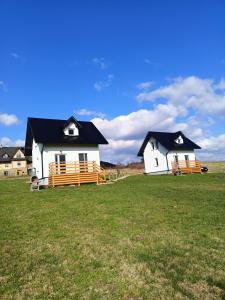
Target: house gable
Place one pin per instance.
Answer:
(171, 141)
(19, 154)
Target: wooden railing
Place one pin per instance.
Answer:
(75, 173)
(186, 166)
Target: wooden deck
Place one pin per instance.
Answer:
(186, 167)
(75, 173)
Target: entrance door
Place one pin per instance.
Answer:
(60, 160)
(82, 159)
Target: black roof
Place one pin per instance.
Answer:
(167, 139)
(106, 164)
(10, 151)
(50, 131)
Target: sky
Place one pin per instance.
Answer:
(128, 66)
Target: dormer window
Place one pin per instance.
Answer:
(179, 140)
(71, 132)
(71, 127)
(5, 155)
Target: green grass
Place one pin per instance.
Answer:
(145, 237)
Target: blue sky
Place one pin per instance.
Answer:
(107, 60)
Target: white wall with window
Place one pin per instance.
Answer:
(154, 157)
(69, 154)
(159, 160)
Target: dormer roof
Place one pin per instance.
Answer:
(170, 140)
(72, 120)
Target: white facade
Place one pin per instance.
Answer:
(43, 155)
(159, 160)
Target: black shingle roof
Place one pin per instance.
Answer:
(167, 139)
(50, 131)
(10, 151)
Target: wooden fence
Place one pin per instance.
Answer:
(186, 166)
(70, 173)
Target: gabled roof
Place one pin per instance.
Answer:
(10, 151)
(72, 120)
(167, 139)
(50, 131)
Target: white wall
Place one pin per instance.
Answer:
(150, 154)
(71, 126)
(36, 158)
(181, 156)
(71, 153)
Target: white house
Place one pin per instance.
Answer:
(161, 149)
(61, 141)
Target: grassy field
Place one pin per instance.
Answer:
(145, 237)
(215, 166)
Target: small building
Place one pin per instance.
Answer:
(167, 152)
(12, 161)
(62, 149)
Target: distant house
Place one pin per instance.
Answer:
(12, 161)
(107, 165)
(163, 152)
(62, 143)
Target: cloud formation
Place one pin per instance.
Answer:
(8, 119)
(6, 142)
(100, 85)
(204, 95)
(3, 87)
(100, 63)
(145, 85)
(191, 105)
(17, 57)
(86, 112)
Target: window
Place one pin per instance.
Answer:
(18, 164)
(83, 158)
(6, 165)
(153, 145)
(18, 155)
(60, 160)
(71, 132)
(156, 162)
(6, 173)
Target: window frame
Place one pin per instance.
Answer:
(156, 162)
(70, 131)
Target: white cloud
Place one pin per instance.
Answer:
(100, 85)
(3, 86)
(148, 61)
(15, 55)
(193, 92)
(145, 85)
(86, 112)
(7, 119)
(212, 148)
(6, 142)
(125, 133)
(100, 63)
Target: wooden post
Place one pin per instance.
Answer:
(53, 181)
